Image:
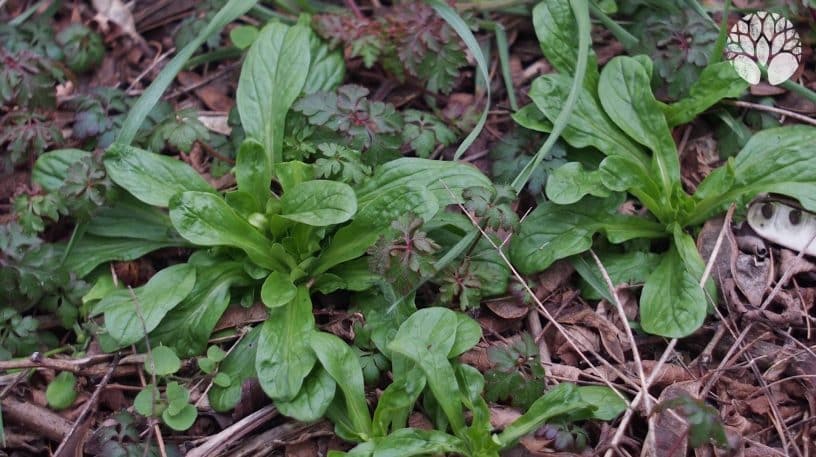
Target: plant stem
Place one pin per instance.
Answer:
(490, 5)
(267, 14)
(719, 46)
(230, 52)
(627, 39)
(695, 5)
(793, 86)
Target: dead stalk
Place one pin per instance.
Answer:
(625, 323)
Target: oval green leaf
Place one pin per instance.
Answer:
(319, 203)
(277, 290)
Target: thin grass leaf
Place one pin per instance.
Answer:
(144, 105)
(458, 24)
(581, 11)
(719, 45)
(504, 63)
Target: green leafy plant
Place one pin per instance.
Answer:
(180, 130)
(25, 135)
(119, 437)
(210, 364)
(679, 41)
(361, 124)
(27, 79)
(408, 40)
(424, 131)
(174, 406)
(423, 353)
(517, 375)
(285, 234)
(18, 334)
(61, 392)
(195, 24)
(617, 114)
(83, 189)
(340, 163)
(31, 276)
(347, 117)
(705, 425)
(278, 246)
(515, 149)
(83, 48)
(35, 36)
(32, 209)
(405, 255)
(565, 437)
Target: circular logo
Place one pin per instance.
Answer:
(764, 41)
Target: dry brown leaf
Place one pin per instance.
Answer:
(418, 420)
(502, 416)
(238, 316)
(553, 278)
(477, 358)
(213, 94)
(584, 339)
(497, 325)
(305, 449)
(507, 309)
(610, 336)
(668, 433)
(698, 160)
(115, 11)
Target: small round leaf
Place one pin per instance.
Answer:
(206, 365)
(222, 380)
(181, 421)
(60, 393)
(143, 403)
(176, 391)
(164, 361)
(243, 36)
(216, 354)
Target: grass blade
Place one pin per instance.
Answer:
(581, 11)
(458, 24)
(504, 62)
(231, 11)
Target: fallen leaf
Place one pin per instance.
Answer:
(212, 94)
(507, 308)
(115, 11)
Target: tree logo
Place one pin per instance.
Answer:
(764, 41)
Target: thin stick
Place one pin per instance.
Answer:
(771, 109)
(625, 323)
(86, 410)
(210, 384)
(155, 384)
